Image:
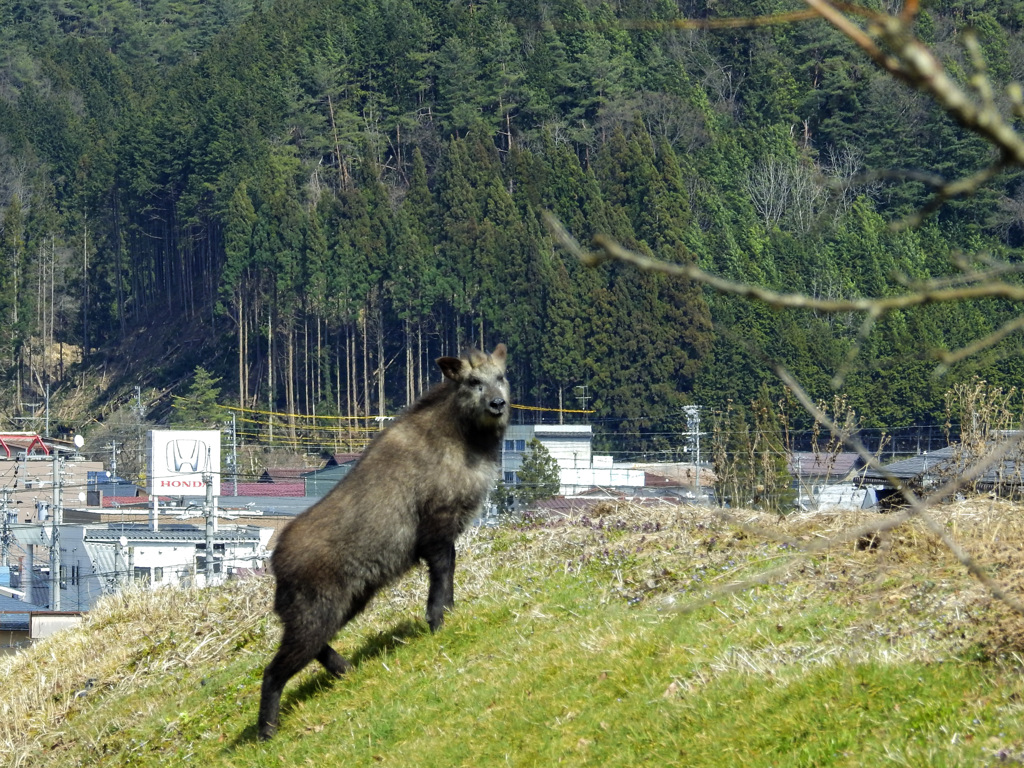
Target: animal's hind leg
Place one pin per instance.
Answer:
(294, 654)
(333, 661)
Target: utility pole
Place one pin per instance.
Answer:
(5, 532)
(582, 395)
(121, 562)
(208, 513)
(234, 451)
(55, 520)
(692, 435)
(140, 412)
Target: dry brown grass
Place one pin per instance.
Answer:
(907, 582)
(124, 639)
(909, 572)
(913, 596)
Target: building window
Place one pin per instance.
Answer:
(511, 478)
(142, 575)
(201, 565)
(520, 445)
(158, 575)
(510, 445)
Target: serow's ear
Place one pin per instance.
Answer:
(499, 354)
(451, 367)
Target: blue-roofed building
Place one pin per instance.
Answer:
(15, 623)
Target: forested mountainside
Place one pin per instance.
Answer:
(313, 199)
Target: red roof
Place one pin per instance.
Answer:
(22, 442)
(343, 458)
(279, 474)
(276, 490)
(652, 480)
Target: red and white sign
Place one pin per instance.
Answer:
(178, 459)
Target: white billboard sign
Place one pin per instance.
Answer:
(178, 459)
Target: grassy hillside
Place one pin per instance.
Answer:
(568, 647)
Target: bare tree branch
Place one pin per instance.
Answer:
(889, 42)
(609, 250)
(919, 506)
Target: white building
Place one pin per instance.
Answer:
(570, 445)
(99, 559)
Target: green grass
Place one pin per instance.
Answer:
(551, 658)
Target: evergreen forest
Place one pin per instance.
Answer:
(314, 199)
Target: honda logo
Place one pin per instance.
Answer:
(188, 456)
(179, 458)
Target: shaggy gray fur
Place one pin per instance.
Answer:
(415, 489)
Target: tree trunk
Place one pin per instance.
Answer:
(409, 372)
(289, 386)
(270, 374)
(366, 367)
(240, 317)
(381, 363)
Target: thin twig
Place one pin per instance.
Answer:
(609, 250)
(918, 506)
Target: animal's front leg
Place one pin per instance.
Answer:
(441, 565)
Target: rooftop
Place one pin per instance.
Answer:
(14, 614)
(14, 443)
(831, 465)
(190, 533)
(948, 462)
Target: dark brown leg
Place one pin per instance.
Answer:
(441, 597)
(292, 656)
(333, 661)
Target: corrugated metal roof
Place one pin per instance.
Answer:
(116, 502)
(560, 505)
(657, 481)
(267, 489)
(342, 458)
(810, 464)
(11, 604)
(41, 589)
(281, 474)
(949, 462)
(14, 614)
(190, 533)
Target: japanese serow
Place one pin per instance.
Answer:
(415, 489)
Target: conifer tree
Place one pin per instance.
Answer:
(198, 408)
(538, 476)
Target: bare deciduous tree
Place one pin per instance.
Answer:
(886, 38)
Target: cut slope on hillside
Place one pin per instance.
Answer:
(568, 646)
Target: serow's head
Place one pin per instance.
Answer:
(482, 390)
